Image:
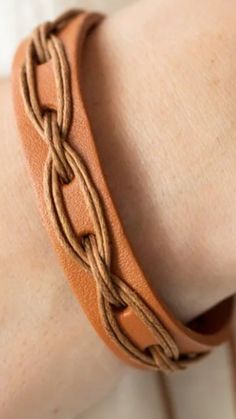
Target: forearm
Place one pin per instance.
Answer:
(161, 103)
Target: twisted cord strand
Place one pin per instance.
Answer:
(127, 296)
(62, 165)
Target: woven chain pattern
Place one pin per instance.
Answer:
(64, 164)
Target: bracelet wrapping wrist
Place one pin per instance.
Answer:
(78, 211)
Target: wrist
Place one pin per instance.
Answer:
(167, 154)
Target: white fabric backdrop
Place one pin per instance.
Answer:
(203, 392)
(18, 17)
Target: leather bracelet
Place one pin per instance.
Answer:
(78, 211)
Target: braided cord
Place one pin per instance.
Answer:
(63, 164)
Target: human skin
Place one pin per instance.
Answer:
(162, 108)
(162, 101)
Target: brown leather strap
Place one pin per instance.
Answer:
(78, 211)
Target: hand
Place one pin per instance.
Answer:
(52, 363)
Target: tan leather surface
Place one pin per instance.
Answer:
(214, 326)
